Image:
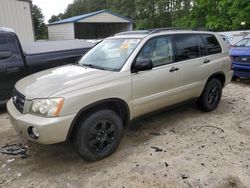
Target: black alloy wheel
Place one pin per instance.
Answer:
(211, 95)
(101, 136)
(98, 135)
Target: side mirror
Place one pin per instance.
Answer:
(5, 55)
(142, 65)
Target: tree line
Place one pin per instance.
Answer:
(217, 15)
(41, 31)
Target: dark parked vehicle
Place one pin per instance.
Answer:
(17, 62)
(240, 56)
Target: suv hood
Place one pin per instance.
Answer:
(48, 82)
(240, 51)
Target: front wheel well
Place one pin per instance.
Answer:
(117, 105)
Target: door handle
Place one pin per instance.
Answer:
(206, 61)
(13, 69)
(173, 69)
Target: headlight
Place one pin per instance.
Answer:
(47, 107)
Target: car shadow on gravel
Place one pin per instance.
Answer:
(245, 81)
(3, 110)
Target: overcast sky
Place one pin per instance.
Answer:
(52, 7)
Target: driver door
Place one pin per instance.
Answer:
(158, 87)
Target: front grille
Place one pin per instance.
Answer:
(241, 59)
(18, 100)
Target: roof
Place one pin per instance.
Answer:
(84, 16)
(55, 46)
(5, 29)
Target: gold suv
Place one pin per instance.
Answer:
(121, 78)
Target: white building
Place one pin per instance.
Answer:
(16, 14)
(93, 25)
(235, 36)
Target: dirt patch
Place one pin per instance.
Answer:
(182, 147)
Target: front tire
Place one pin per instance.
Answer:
(99, 135)
(211, 96)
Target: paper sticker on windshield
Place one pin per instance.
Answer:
(125, 46)
(128, 42)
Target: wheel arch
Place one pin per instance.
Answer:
(116, 104)
(220, 76)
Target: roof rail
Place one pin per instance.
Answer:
(150, 31)
(133, 32)
(202, 29)
(157, 30)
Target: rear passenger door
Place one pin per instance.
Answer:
(198, 56)
(214, 60)
(188, 55)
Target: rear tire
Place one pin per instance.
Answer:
(211, 96)
(98, 135)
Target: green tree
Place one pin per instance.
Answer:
(239, 12)
(55, 18)
(39, 25)
(217, 15)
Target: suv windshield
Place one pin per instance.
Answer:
(110, 54)
(243, 43)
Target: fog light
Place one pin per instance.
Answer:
(33, 132)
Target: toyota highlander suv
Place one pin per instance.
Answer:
(121, 78)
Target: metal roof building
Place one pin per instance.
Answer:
(16, 14)
(93, 25)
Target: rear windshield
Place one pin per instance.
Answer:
(243, 43)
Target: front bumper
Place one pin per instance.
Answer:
(51, 130)
(241, 70)
(242, 74)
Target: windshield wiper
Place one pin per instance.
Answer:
(94, 66)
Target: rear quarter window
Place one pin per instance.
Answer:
(211, 43)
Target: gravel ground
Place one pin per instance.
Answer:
(181, 147)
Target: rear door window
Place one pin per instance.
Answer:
(203, 51)
(211, 43)
(187, 47)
